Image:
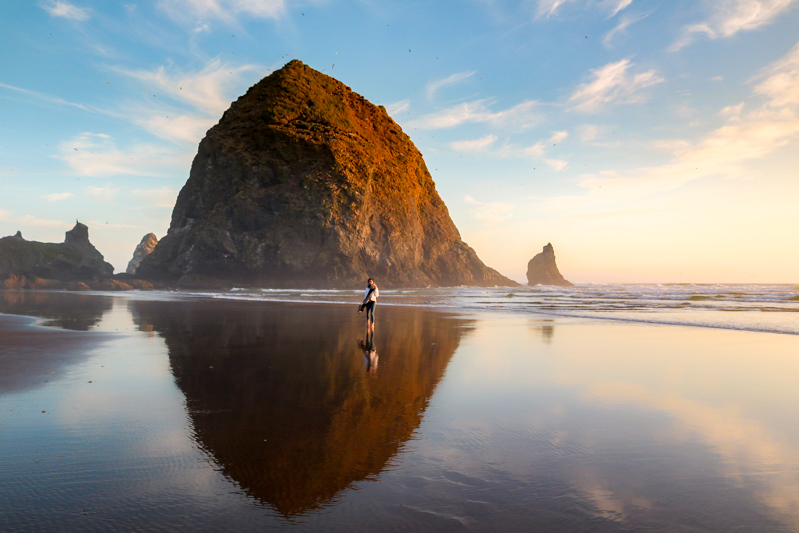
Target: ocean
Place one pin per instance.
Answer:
(765, 308)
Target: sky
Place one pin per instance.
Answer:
(648, 141)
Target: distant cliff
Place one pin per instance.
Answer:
(145, 248)
(542, 270)
(305, 183)
(73, 260)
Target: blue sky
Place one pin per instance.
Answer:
(649, 141)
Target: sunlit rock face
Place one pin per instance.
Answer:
(542, 270)
(74, 259)
(145, 247)
(294, 418)
(304, 183)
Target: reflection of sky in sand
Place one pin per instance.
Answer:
(622, 422)
(732, 392)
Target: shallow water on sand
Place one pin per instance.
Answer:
(134, 414)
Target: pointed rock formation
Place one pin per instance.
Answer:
(542, 270)
(74, 259)
(304, 183)
(145, 247)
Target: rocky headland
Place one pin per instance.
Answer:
(33, 264)
(145, 247)
(304, 183)
(542, 270)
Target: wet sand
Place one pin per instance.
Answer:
(225, 415)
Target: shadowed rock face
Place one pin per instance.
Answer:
(74, 259)
(542, 270)
(305, 183)
(281, 396)
(145, 247)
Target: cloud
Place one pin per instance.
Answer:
(745, 136)
(558, 136)
(96, 155)
(491, 213)
(732, 16)
(207, 92)
(58, 196)
(588, 132)
(621, 28)
(42, 97)
(30, 220)
(521, 115)
(547, 8)
(476, 145)
(398, 107)
(56, 8)
(611, 83)
(103, 194)
(618, 5)
(226, 11)
(556, 164)
(781, 81)
(434, 86)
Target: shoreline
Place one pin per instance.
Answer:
(241, 296)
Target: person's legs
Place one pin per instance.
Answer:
(370, 313)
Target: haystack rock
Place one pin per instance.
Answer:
(145, 247)
(304, 183)
(542, 270)
(74, 259)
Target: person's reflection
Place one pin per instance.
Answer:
(369, 352)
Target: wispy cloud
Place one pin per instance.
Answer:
(521, 115)
(491, 213)
(66, 10)
(30, 220)
(207, 92)
(556, 164)
(397, 108)
(611, 83)
(96, 155)
(226, 11)
(547, 8)
(539, 149)
(746, 136)
(617, 5)
(732, 16)
(432, 87)
(476, 145)
(621, 28)
(58, 196)
(42, 97)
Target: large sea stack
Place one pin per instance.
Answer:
(304, 183)
(542, 270)
(74, 259)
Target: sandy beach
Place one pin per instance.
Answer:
(159, 412)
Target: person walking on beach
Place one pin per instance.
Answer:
(369, 300)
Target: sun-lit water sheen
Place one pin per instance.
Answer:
(226, 412)
(772, 308)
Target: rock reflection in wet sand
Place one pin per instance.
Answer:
(284, 403)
